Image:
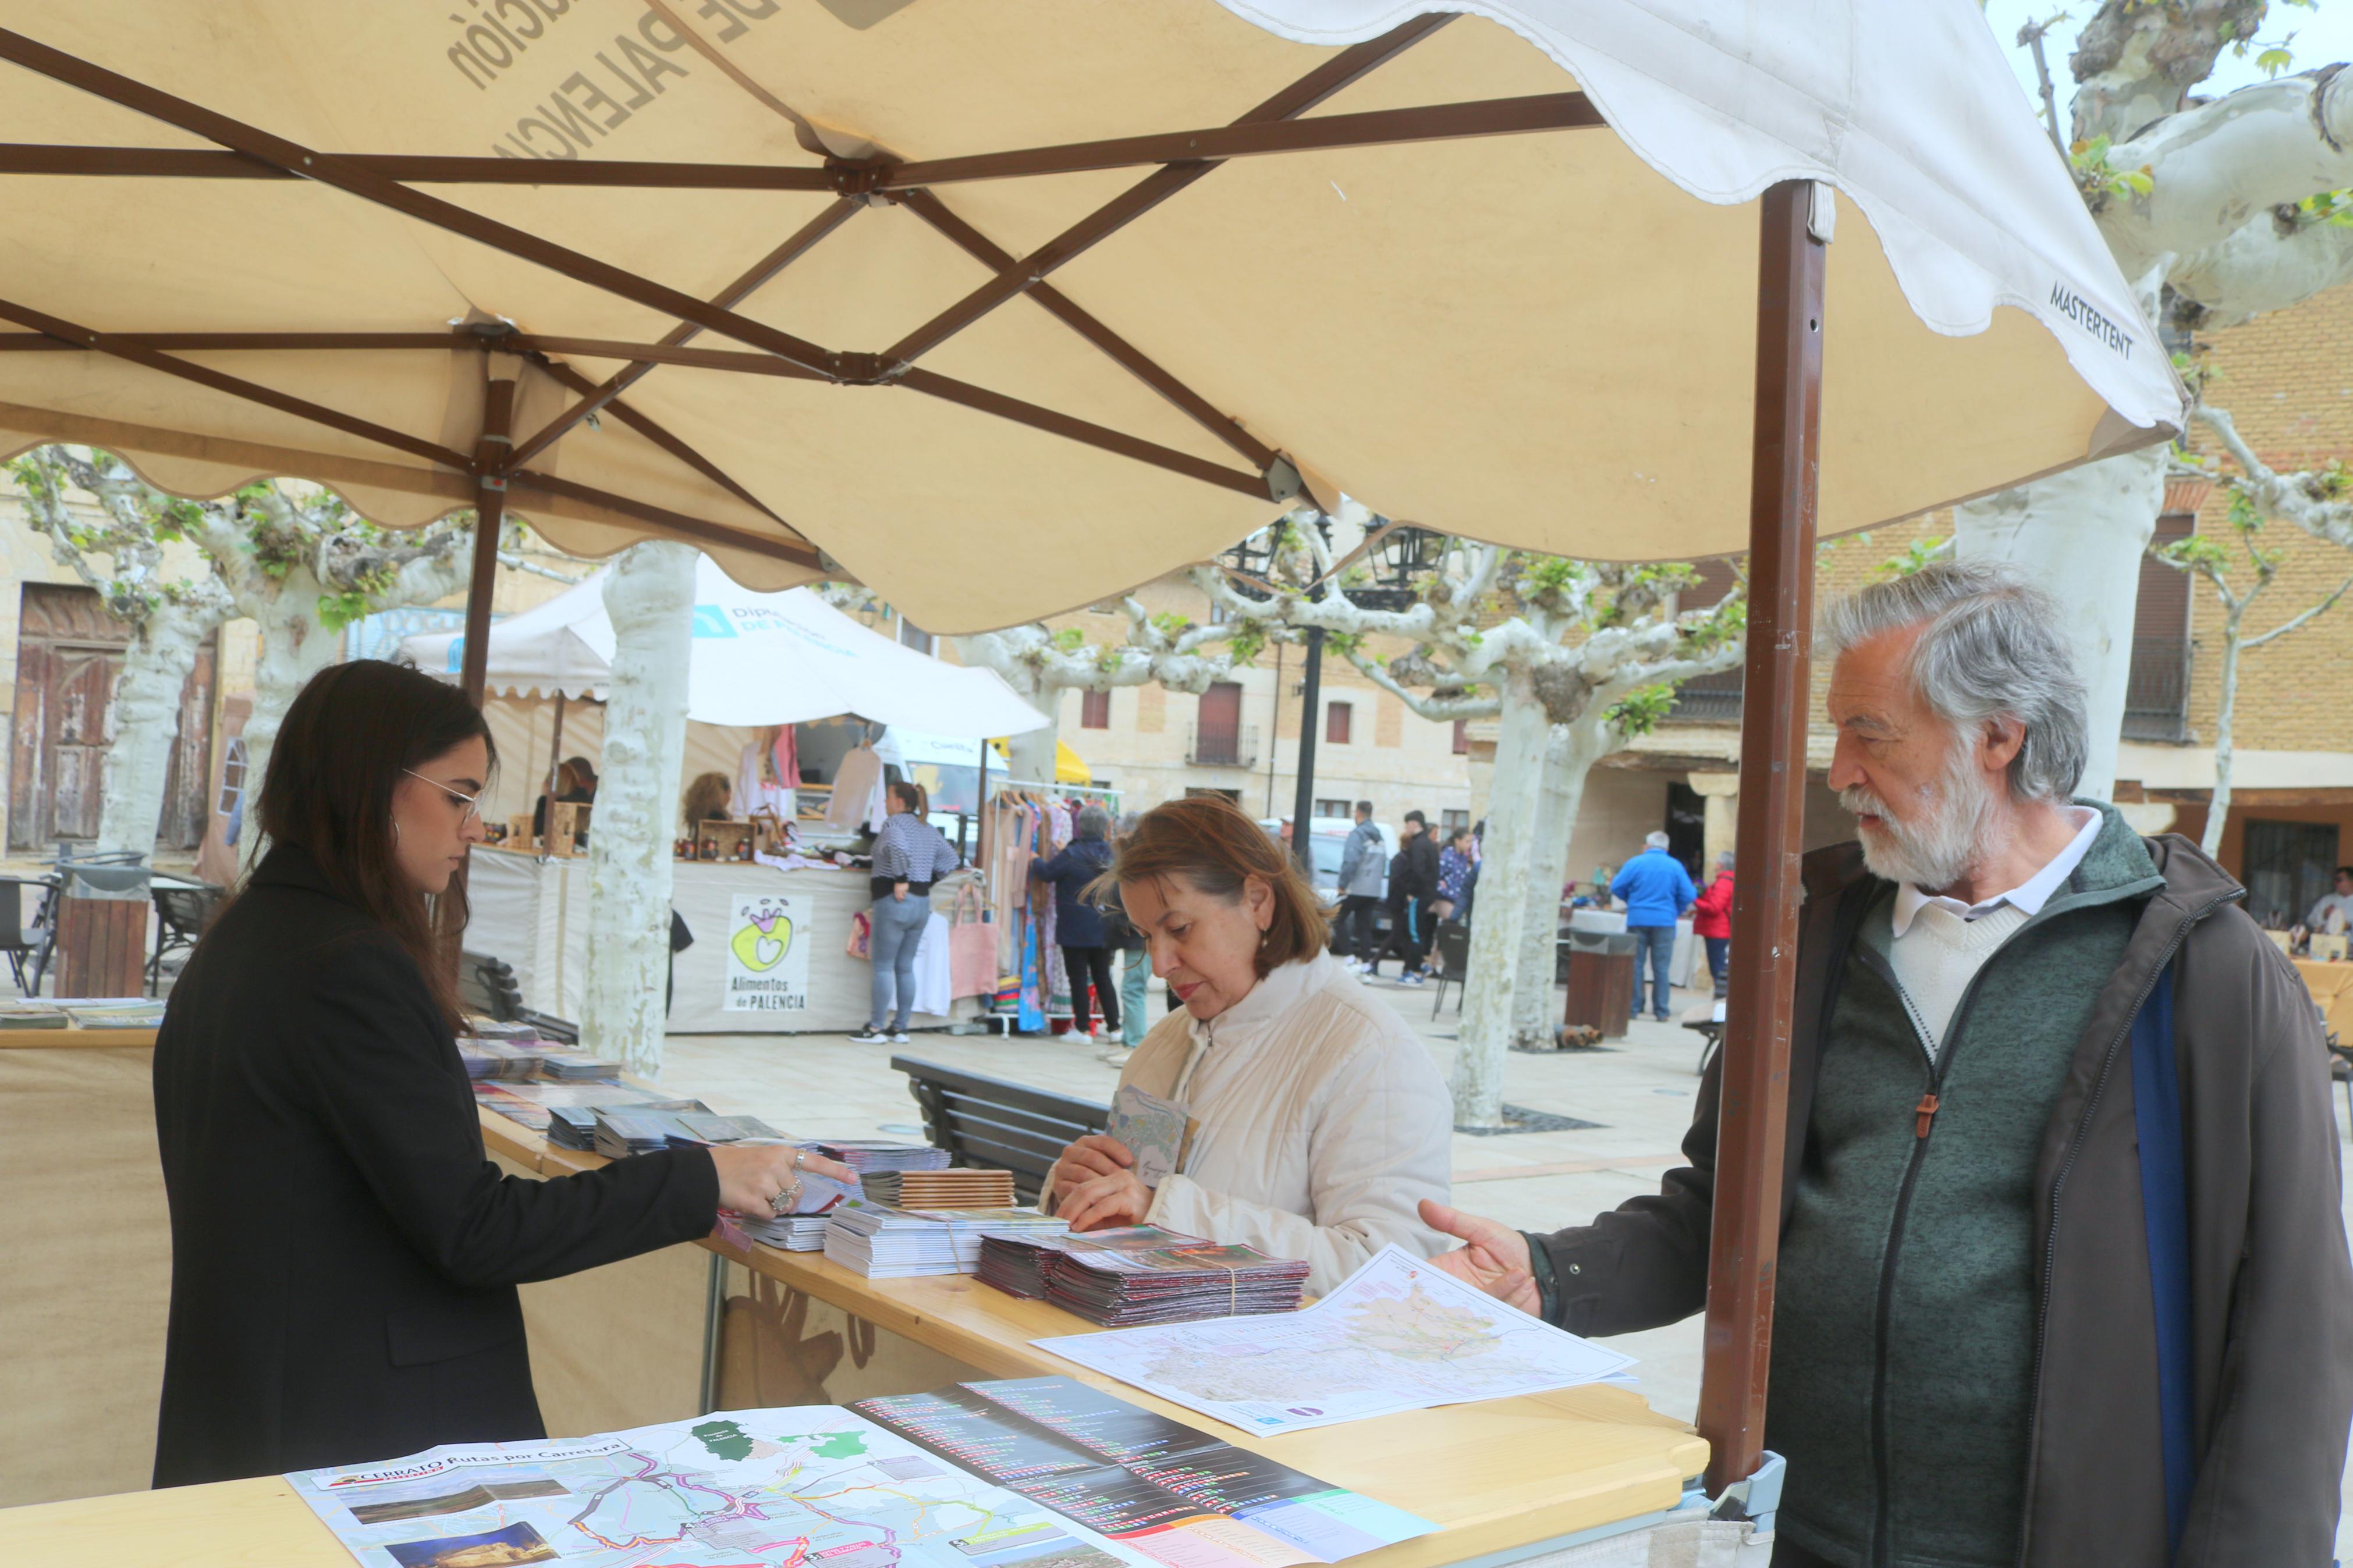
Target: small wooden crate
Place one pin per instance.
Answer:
(722, 841)
(567, 823)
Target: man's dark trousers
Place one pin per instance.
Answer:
(1654, 948)
(1357, 924)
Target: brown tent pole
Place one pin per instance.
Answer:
(489, 518)
(1752, 1123)
(554, 753)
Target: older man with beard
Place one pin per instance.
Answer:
(2063, 1276)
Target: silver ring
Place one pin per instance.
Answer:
(782, 1202)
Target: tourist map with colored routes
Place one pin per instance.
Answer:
(1398, 1334)
(757, 1489)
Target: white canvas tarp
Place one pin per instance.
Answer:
(1539, 335)
(756, 660)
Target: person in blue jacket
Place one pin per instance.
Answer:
(1079, 922)
(1655, 889)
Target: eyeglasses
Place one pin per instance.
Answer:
(473, 803)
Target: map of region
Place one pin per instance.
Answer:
(1399, 1334)
(748, 1488)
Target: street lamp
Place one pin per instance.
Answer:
(1401, 557)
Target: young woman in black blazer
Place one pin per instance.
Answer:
(344, 1258)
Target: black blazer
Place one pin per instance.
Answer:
(344, 1258)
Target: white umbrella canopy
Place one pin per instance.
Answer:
(1000, 387)
(755, 659)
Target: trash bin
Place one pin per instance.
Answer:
(103, 930)
(1600, 981)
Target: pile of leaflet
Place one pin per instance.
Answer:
(1141, 1274)
(31, 1014)
(885, 1242)
(559, 1064)
(864, 1154)
(956, 1189)
(115, 1012)
(803, 1230)
(503, 1061)
(626, 1130)
(515, 1031)
(575, 1126)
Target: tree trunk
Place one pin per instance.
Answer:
(1029, 756)
(295, 648)
(1570, 753)
(2080, 535)
(649, 597)
(1490, 988)
(2218, 810)
(146, 721)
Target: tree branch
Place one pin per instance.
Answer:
(2290, 625)
(2301, 498)
(2264, 265)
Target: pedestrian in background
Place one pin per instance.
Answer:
(1362, 862)
(1655, 889)
(1453, 874)
(910, 855)
(1079, 921)
(1135, 960)
(1712, 921)
(1413, 883)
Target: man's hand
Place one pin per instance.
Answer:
(1495, 1258)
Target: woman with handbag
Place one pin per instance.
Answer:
(910, 855)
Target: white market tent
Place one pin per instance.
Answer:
(1025, 302)
(754, 660)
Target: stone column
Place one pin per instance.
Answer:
(1722, 792)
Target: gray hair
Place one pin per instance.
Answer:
(1094, 822)
(1657, 841)
(1723, 860)
(1129, 821)
(1992, 647)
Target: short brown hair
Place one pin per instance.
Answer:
(1213, 845)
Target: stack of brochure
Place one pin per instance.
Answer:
(560, 1065)
(887, 1244)
(33, 1013)
(803, 1230)
(576, 1126)
(1141, 1274)
(864, 1154)
(503, 1061)
(115, 1012)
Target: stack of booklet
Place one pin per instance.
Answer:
(957, 1189)
(31, 1014)
(626, 1130)
(864, 1154)
(1141, 1274)
(575, 1126)
(561, 1064)
(804, 1229)
(884, 1243)
(503, 1061)
(115, 1012)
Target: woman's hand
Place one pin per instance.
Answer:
(1095, 1186)
(1495, 1259)
(752, 1175)
(900, 892)
(1100, 1203)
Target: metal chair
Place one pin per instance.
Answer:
(181, 916)
(1451, 951)
(20, 938)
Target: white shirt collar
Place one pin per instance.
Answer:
(2028, 898)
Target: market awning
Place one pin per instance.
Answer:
(755, 659)
(1007, 307)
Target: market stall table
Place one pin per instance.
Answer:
(1511, 1477)
(2331, 986)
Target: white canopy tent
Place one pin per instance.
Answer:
(755, 660)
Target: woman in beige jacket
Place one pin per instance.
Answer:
(1322, 1120)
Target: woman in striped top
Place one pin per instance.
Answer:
(908, 856)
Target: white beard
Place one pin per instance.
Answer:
(1947, 842)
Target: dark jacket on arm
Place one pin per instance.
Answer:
(2269, 1282)
(344, 1256)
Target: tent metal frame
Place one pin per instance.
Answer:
(1785, 459)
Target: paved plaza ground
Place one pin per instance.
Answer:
(1638, 1091)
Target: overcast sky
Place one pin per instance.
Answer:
(2323, 33)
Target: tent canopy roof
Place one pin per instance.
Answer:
(755, 660)
(1451, 265)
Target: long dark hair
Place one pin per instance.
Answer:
(340, 752)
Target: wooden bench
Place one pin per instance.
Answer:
(994, 1124)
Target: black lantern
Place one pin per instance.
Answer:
(1402, 559)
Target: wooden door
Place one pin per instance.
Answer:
(186, 803)
(69, 655)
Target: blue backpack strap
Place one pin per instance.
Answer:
(2164, 1209)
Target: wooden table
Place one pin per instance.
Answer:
(1503, 1477)
(2331, 986)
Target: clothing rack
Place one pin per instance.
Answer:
(993, 792)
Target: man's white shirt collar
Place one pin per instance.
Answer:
(2028, 898)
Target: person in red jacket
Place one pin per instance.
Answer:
(1712, 921)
